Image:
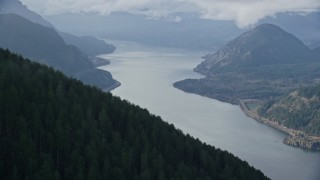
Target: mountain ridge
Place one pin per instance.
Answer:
(89, 45)
(16, 7)
(249, 49)
(44, 45)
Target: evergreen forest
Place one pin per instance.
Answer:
(53, 127)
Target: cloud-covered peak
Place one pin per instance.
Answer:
(243, 12)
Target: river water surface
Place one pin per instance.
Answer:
(147, 74)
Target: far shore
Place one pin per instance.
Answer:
(296, 138)
(254, 115)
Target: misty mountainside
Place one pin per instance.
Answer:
(89, 45)
(299, 110)
(44, 45)
(16, 7)
(53, 127)
(185, 30)
(263, 62)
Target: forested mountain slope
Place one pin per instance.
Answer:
(52, 127)
(299, 110)
(261, 63)
(298, 113)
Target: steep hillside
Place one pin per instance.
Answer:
(261, 63)
(44, 45)
(299, 110)
(52, 127)
(89, 45)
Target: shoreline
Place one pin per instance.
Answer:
(98, 62)
(265, 121)
(295, 138)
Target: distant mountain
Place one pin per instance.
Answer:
(191, 32)
(263, 62)
(16, 7)
(89, 45)
(55, 128)
(305, 26)
(186, 30)
(266, 44)
(43, 44)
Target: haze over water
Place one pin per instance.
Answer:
(147, 75)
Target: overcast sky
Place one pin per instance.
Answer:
(243, 12)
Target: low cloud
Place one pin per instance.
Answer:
(243, 12)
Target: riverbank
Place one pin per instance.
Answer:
(296, 138)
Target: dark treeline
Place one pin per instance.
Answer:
(53, 127)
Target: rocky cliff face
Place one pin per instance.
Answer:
(303, 142)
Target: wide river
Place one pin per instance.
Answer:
(147, 75)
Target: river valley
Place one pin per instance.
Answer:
(146, 75)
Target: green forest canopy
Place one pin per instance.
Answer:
(53, 127)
